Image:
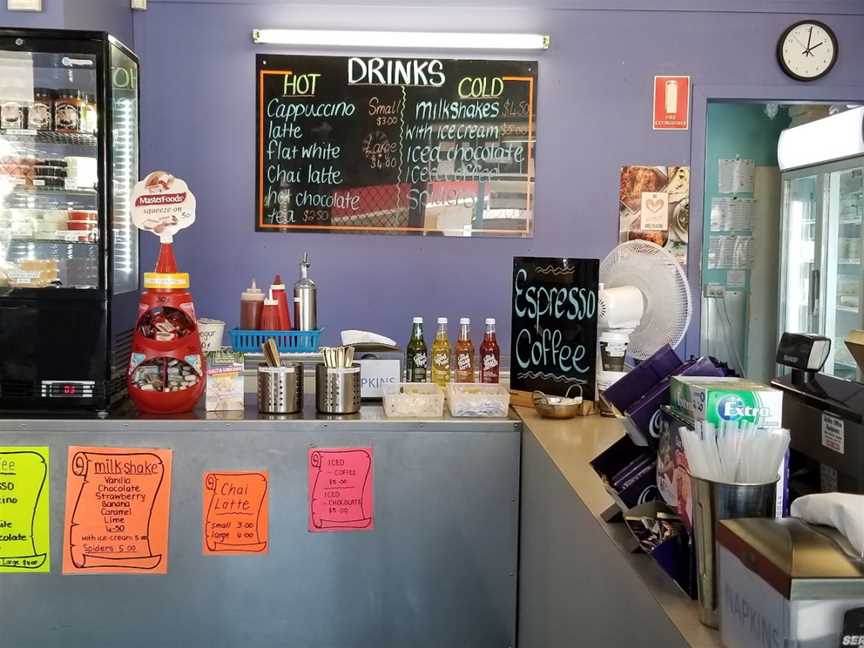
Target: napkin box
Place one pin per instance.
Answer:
(784, 584)
(378, 369)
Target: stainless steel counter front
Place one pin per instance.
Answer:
(438, 569)
(580, 581)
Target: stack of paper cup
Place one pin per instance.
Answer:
(210, 331)
(613, 348)
(604, 380)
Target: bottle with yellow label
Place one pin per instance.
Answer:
(441, 355)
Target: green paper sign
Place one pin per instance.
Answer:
(24, 527)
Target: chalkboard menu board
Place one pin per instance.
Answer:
(395, 145)
(554, 325)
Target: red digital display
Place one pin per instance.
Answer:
(70, 390)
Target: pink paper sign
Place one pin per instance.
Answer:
(340, 489)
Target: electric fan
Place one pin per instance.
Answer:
(644, 295)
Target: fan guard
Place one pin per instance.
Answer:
(661, 279)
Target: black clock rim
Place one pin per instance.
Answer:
(786, 32)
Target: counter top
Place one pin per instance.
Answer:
(572, 444)
(370, 415)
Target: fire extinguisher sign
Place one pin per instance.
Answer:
(671, 102)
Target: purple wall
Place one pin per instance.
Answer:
(593, 117)
(51, 16)
(113, 16)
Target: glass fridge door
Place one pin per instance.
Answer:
(843, 269)
(49, 225)
(800, 286)
(124, 167)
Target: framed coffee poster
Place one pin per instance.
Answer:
(553, 343)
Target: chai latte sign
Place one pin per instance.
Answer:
(554, 325)
(395, 145)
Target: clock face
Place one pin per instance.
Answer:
(807, 50)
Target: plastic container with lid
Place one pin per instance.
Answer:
(68, 107)
(11, 114)
(40, 113)
(89, 120)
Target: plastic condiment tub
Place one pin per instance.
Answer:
(478, 399)
(413, 400)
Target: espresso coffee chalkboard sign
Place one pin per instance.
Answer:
(554, 325)
(395, 145)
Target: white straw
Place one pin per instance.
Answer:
(734, 452)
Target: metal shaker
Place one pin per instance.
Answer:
(305, 299)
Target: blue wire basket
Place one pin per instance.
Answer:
(286, 341)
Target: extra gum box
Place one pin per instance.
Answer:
(716, 400)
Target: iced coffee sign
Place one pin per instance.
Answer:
(162, 204)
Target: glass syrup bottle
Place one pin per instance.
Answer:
(441, 355)
(490, 355)
(416, 361)
(464, 353)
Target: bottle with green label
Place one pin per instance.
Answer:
(417, 358)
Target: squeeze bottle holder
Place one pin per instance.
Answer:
(167, 367)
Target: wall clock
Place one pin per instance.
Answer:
(807, 50)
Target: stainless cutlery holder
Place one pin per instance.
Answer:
(280, 389)
(337, 390)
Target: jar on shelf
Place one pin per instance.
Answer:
(40, 113)
(11, 113)
(68, 108)
(89, 122)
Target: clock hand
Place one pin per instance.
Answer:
(809, 38)
(799, 42)
(815, 46)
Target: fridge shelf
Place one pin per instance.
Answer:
(847, 309)
(53, 192)
(47, 137)
(54, 240)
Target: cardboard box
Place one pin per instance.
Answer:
(224, 389)
(717, 400)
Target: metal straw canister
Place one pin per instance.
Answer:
(337, 390)
(712, 502)
(280, 389)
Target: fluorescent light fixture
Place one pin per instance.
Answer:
(401, 40)
(836, 137)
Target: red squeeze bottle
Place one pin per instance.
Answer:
(277, 290)
(270, 314)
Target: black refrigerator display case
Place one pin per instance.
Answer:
(69, 114)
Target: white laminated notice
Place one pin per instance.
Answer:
(833, 433)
